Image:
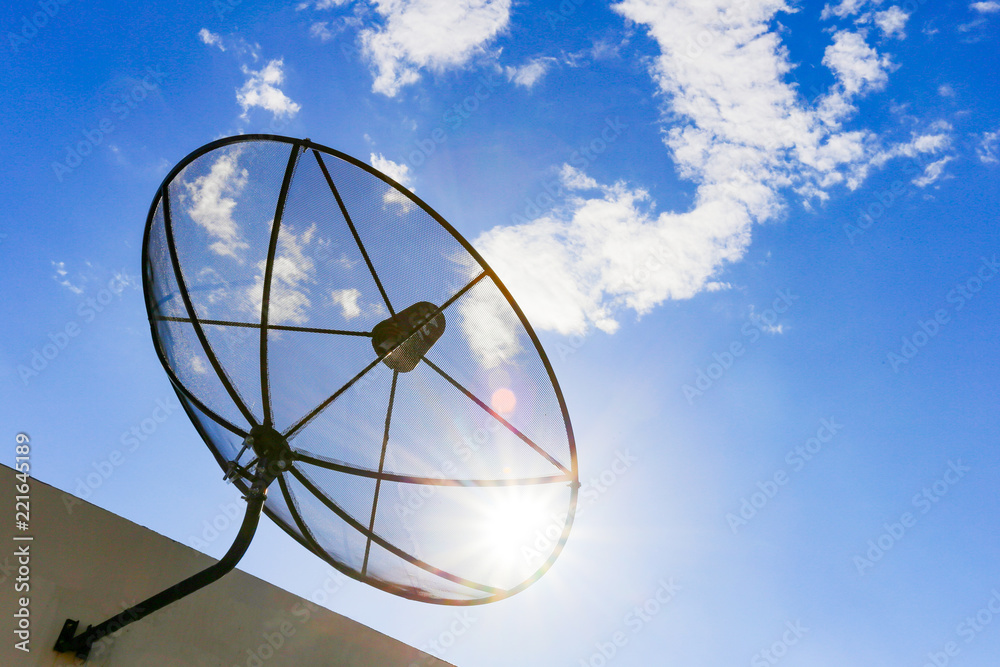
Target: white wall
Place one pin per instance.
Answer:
(90, 564)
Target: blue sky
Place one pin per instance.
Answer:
(772, 234)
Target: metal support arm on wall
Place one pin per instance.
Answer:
(81, 644)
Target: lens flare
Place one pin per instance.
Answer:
(503, 401)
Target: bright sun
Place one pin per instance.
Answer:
(510, 524)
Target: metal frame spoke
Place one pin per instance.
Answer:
(320, 462)
(385, 544)
(265, 389)
(496, 415)
(381, 466)
(354, 231)
(195, 323)
(437, 311)
(256, 325)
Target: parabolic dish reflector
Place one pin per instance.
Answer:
(302, 301)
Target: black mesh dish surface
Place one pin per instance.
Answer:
(292, 287)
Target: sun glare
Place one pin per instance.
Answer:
(514, 531)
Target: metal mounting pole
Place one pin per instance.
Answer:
(80, 645)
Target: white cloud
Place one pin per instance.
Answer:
(571, 270)
(892, 22)
(972, 25)
(322, 4)
(209, 201)
(737, 129)
(846, 8)
(321, 31)
(60, 277)
(211, 39)
(761, 323)
(292, 268)
(394, 170)
(399, 173)
(856, 65)
(945, 90)
(428, 34)
(937, 139)
(198, 364)
(985, 7)
(261, 90)
(932, 172)
(530, 73)
(235, 45)
(485, 325)
(347, 299)
(989, 147)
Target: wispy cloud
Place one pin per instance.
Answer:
(211, 39)
(234, 45)
(762, 323)
(530, 73)
(322, 4)
(261, 90)
(932, 172)
(61, 276)
(428, 34)
(846, 8)
(989, 147)
(321, 30)
(985, 7)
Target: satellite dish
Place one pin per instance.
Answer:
(326, 330)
